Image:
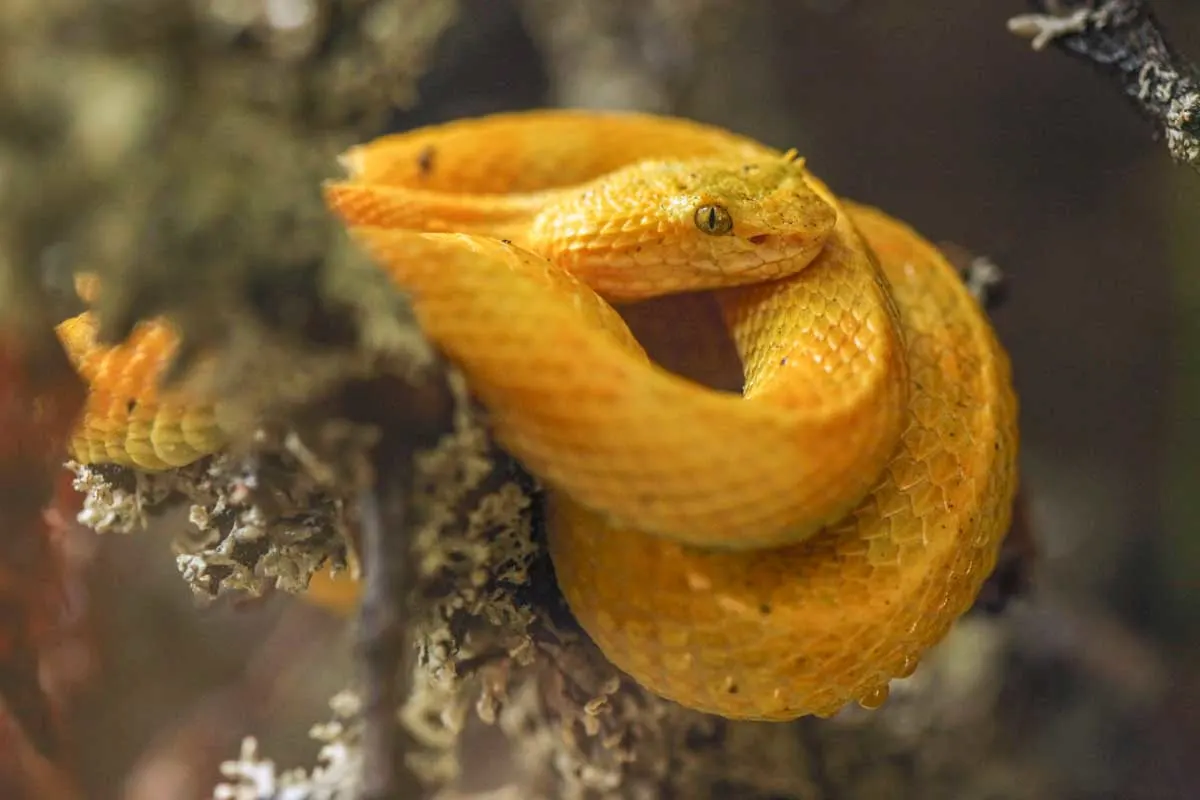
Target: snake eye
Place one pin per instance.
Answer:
(713, 220)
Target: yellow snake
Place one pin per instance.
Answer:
(765, 554)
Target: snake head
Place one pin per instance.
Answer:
(659, 227)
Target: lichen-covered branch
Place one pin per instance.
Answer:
(1126, 42)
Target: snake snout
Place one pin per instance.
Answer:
(760, 238)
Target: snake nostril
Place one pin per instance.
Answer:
(760, 238)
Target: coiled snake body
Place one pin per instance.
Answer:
(766, 555)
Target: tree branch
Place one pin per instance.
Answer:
(391, 509)
(1125, 41)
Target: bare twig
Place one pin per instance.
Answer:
(1123, 38)
(382, 631)
(390, 510)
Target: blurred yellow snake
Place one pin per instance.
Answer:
(765, 554)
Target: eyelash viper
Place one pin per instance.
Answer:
(766, 555)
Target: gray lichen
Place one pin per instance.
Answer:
(335, 777)
(1043, 29)
(256, 520)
